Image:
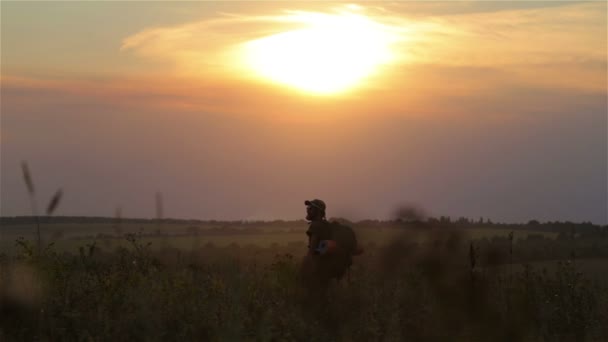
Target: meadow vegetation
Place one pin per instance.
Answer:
(416, 281)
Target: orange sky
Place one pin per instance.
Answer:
(494, 109)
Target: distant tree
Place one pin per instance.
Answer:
(533, 223)
(463, 220)
(432, 220)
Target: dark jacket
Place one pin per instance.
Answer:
(324, 267)
(317, 232)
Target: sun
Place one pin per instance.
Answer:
(331, 53)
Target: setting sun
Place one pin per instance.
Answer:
(332, 53)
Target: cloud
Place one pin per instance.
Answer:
(451, 64)
(516, 37)
(213, 47)
(565, 43)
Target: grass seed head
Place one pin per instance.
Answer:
(54, 202)
(28, 178)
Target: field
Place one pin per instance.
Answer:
(162, 280)
(69, 236)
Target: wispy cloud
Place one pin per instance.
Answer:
(211, 47)
(444, 58)
(569, 37)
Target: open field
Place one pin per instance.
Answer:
(235, 281)
(69, 236)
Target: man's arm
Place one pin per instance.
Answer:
(314, 243)
(314, 238)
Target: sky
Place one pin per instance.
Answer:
(243, 110)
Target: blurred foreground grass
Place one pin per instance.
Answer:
(430, 285)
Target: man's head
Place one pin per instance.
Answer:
(315, 210)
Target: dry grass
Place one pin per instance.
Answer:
(404, 290)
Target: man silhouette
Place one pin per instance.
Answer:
(318, 227)
(315, 272)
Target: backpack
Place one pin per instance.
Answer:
(344, 236)
(345, 241)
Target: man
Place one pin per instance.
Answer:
(318, 229)
(314, 274)
(320, 267)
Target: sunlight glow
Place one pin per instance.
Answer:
(332, 53)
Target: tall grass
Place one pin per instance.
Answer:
(403, 291)
(51, 207)
(31, 191)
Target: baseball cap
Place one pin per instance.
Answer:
(317, 203)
